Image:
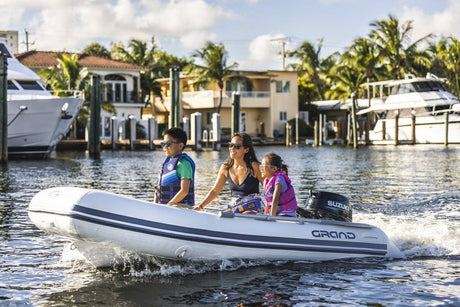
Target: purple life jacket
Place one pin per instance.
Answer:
(287, 201)
(170, 181)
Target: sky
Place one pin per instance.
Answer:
(252, 31)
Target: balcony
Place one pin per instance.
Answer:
(123, 97)
(210, 99)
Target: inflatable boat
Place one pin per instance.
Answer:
(108, 220)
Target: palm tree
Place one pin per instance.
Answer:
(390, 38)
(97, 50)
(345, 80)
(312, 68)
(138, 52)
(214, 68)
(67, 75)
(450, 57)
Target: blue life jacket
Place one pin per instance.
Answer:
(170, 181)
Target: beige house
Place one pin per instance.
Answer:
(267, 100)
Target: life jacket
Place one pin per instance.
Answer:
(287, 199)
(170, 181)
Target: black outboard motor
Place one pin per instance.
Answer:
(326, 205)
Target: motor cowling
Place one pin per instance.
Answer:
(326, 205)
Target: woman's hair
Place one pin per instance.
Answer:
(276, 160)
(249, 157)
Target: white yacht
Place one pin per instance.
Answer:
(37, 120)
(424, 99)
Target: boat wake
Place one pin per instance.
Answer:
(80, 256)
(427, 229)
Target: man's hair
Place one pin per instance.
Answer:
(177, 133)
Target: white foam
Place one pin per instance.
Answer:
(415, 236)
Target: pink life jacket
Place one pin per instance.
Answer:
(287, 204)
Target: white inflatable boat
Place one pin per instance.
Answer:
(114, 221)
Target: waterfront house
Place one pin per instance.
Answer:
(120, 83)
(268, 99)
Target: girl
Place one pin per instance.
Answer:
(278, 190)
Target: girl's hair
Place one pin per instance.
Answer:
(276, 160)
(249, 157)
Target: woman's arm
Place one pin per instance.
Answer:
(218, 185)
(257, 173)
(276, 198)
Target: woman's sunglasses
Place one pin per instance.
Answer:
(168, 143)
(236, 146)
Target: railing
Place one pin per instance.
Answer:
(226, 94)
(67, 93)
(126, 97)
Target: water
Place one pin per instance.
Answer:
(411, 192)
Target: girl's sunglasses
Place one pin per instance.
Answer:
(236, 146)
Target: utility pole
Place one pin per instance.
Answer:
(283, 48)
(27, 40)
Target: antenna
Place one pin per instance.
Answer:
(283, 48)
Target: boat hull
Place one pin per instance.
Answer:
(37, 125)
(112, 220)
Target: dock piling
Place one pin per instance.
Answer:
(94, 143)
(3, 108)
(396, 127)
(446, 127)
(235, 113)
(354, 122)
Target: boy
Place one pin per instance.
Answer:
(176, 186)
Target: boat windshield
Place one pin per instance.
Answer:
(428, 86)
(11, 85)
(4, 50)
(30, 85)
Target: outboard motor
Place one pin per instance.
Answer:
(326, 205)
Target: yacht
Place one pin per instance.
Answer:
(37, 119)
(423, 101)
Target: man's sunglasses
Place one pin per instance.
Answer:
(237, 146)
(168, 143)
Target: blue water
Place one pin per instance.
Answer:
(410, 192)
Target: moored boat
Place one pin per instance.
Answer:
(37, 120)
(423, 102)
(109, 220)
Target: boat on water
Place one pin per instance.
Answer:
(424, 101)
(94, 219)
(37, 120)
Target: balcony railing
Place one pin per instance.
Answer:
(125, 97)
(226, 94)
(210, 99)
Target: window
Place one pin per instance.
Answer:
(283, 116)
(11, 85)
(4, 50)
(116, 88)
(30, 85)
(282, 86)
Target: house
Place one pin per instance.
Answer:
(120, 80)
(267, 100)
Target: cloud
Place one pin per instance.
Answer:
(265, 51)
(59, 24)
(444, 23)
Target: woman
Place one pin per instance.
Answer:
(242, 172)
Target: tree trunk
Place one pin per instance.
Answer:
(220, 101)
